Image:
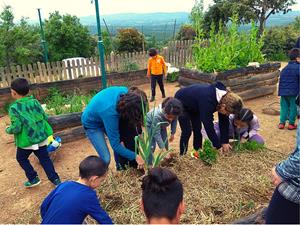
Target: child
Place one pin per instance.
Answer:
(243, 126)
(72, 201)
(162, 197)
(200, 101)
(159, 118)
(289, 89)
(157, 69)
(31, 130)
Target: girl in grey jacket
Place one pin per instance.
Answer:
(159, 118)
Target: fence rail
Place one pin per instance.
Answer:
(178, 53)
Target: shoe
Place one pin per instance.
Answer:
(163, 96)
(56, 182)
(292, 127)
(152, 99)
(281, 126)
(35, 182)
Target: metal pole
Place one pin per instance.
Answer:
(174, 31)
(44, 44)
(100, 47)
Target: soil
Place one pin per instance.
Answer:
(20, 205)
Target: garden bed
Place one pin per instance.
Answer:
(248, 82)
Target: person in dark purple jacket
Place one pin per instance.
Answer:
(289, 90)
(200, 101)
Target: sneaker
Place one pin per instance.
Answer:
(292, 127)
(56, 182)
(281, 126)
(152, 99)
(29, 184)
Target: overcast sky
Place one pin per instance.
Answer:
(27, 8)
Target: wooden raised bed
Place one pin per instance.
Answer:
(68, 127)
(248, 82)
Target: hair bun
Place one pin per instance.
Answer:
(159, 180)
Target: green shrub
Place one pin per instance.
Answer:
(172, 77)
(209, 154)
(227, 48)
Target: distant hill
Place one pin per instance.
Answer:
(161, 25)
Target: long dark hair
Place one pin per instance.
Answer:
(130, 107)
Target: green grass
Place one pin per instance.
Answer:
(249, 146)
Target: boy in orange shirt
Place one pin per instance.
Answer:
(157, 69)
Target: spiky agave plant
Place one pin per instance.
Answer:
(143, 144)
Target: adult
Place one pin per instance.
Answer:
(200, 101)
(162, 197)
(101, 117)
(297, 45)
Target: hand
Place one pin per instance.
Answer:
(276, 179)
(243, 140)
(122, 143)
(226, 148)
(171, 139)
(140, 162)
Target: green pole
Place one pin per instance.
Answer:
(44, 44)
(100, 47)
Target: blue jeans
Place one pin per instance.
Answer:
(97, 138)
(45, 161)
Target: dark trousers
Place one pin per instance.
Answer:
(45, 161)
(160, 80)
(282, 211)
(127, 135)
(189, 122)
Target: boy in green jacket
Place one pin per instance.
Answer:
(31, 131)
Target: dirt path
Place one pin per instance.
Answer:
(20, 205)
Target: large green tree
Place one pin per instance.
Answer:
(19, 43)
(129, 40)
(67, 37)
(186, 32)
(247, 10)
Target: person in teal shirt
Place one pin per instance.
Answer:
(101, 117)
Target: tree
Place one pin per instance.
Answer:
(67, 37)
(129, 40)
(279, 40)
(247, 10)
(186, 32)
(19, 43)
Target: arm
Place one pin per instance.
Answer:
(289, 168)
(254, 127)
(111, 125)
(46, 203)
(165, 70)
(16, 124)
(224, 128)
(173, 126)
(208, 122)
(149, 68)
(95, 210)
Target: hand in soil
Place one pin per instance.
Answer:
(226, 148)
(140, 162)
(243, 140)
(276, 179)
(171, 139)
